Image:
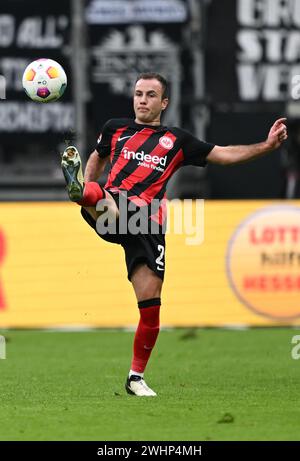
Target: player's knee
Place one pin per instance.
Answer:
(149, 293)
(146, 284)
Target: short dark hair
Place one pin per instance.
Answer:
(163, 81)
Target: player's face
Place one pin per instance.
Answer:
(148, 102)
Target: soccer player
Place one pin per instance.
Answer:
(143, 155)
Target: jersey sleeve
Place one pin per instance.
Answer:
(103, 146)
(195, 151)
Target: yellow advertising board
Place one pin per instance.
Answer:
(55, 271)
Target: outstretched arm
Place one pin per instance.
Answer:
(94, 167)
(228, 155)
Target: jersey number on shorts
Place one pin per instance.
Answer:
(159, 262)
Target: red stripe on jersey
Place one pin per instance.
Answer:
(113, 143)
(132, 144)
(137, 201)
(154, 189)
(142, 172)
(161, 213)
(114, 140)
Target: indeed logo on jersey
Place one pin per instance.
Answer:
(146, 160)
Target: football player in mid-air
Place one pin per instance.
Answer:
(143, 154)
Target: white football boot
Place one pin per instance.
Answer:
(135, 385)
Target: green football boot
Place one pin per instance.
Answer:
(72, 170)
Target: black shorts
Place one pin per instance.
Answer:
(148, 248)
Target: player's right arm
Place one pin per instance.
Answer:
(100, 156)
(94, 167)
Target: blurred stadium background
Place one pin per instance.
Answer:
(232, 72)
(234, 68)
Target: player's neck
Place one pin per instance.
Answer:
(153, 123)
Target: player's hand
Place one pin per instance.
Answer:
(277, 134)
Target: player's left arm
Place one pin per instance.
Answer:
(227, 155)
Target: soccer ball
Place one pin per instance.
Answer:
(44, 80)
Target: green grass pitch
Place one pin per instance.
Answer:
(211, 385)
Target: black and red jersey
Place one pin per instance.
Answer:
(144, 157)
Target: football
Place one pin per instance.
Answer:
(44, 80)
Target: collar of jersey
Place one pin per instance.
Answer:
(141, 126)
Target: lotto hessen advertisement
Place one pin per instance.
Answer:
(263, 262)
(243, 270)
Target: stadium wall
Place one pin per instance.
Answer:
(55, 271)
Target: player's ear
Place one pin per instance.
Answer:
(165, 103)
